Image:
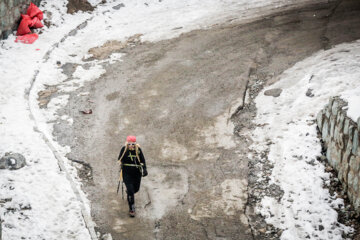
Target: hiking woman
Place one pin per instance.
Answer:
(133, 167)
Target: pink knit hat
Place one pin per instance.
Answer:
(131, 139)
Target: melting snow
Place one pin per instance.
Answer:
(290, 125)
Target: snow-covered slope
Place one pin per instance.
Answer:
(306, 209)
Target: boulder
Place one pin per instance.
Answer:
(12, 161)
(275, 92)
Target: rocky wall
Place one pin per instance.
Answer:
(10, 13)
(341, 138)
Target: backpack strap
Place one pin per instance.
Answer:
(122, 156)
(137, 146)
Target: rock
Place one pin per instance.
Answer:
(262, 230)
(107, 237)
(332, 125)
(327, 112)
(45, 96)
(43, 103)
(275, 92)
(2, 163)
(45, 93)
(346, 125)
(335, 108)
(12, 161)
(328, 169)
(5, 200)
(309, 93)
(355, 142)
(117, 7)
(319, 119)
(68, 69)
(325, 130)
(74, 6)
(331, 101)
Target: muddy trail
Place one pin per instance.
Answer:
(189, 102)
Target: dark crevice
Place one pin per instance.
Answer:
(251, 70)
(86, 171)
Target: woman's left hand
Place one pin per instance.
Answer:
(145, 173)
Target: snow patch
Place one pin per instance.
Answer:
(94, 2)
(353, 98)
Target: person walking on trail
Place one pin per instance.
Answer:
(133, 167)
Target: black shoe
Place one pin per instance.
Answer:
(132, 211)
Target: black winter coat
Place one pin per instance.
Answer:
(130, 158)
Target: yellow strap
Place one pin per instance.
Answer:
(121, 176)
(132, 165)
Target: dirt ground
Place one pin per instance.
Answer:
(184, 100)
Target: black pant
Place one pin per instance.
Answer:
(132, 182)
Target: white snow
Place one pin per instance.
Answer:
(94, 2)
(289, 124)
(55, 211)
(353, 98)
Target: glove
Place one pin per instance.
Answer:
(145, 173)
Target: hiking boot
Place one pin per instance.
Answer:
(132, 211)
